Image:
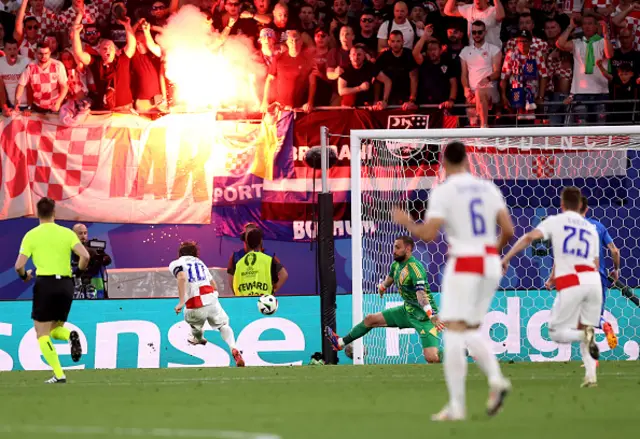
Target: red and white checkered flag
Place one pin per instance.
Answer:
(238, 164)
(62, 160)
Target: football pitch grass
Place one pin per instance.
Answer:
(390, 402)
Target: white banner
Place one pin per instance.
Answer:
(121, 168)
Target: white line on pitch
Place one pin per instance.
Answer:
(134, 432)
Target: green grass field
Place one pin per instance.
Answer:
(390, 402)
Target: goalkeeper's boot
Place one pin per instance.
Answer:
(196, 341)
(590, 340)
(333, 338)
(497, 395)
(612, 340)
(76, 347)
(446, 414)
(56, 380)
(238, 357)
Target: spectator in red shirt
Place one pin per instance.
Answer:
(320, 87)
(48, 80)
(111, 71)
(290, 75)
(338, 57)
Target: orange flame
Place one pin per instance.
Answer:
(208, 71)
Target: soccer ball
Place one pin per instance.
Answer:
(267, 305)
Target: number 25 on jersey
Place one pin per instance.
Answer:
(576, 243)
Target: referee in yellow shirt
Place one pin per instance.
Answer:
(50, 247)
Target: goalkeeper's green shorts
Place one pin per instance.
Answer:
(398, 317)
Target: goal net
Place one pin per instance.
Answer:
(531, 166)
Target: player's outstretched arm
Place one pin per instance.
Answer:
(427, 231)
(183, 282)
(522, 243)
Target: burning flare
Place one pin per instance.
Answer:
(208, 71)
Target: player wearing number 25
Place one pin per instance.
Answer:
(576, 250)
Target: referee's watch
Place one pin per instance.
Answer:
(23, 276)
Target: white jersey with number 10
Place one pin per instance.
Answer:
(199, 279)
(469, 206)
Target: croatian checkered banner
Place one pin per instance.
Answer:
(120, 169)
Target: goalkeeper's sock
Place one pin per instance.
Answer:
(227, 335)
(455, 370)
(50, 355)
(486, 360)
(566, 335)
(60, 333)
(589, 363)
(358, 331)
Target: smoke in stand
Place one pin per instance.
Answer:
(208, 72)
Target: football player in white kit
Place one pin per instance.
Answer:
(469, 209)
(576, 248)
(199, 298)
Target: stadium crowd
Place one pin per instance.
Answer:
(535, 59)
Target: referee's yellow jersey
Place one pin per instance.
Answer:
(50, 247)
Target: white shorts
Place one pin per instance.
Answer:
(214, 314)
(466, 297)
(579, 304)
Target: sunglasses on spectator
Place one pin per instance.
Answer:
(477, 32)
(33, 27)
(367, 20)
(233, 4)
(91, 33)
(158, 8)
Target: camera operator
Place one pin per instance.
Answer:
(93, 282)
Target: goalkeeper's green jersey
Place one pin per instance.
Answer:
(410, 277)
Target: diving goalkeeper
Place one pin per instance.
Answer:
(419, 310)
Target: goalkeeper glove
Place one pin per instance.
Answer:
(427, 309)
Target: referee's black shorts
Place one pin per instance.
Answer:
(52, 297)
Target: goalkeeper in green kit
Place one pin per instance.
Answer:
(419, 310)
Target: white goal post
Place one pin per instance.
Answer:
(530, 165)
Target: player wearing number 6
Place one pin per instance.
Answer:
(576, 309)
(469, 209)
(199, 298)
